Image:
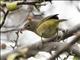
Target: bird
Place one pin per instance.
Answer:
(46, 27)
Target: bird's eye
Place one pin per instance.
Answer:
(28, 25)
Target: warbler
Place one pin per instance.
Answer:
(47, 27)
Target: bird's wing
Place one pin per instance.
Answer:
(51, 17)
(48, 18)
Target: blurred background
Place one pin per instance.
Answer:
(67, 9)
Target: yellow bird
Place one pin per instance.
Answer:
(47, 27)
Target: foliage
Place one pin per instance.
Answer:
(76, 58)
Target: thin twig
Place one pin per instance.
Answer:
(15, 41)
(66, 57)
(21, 3)
(78, 8)
(4, 18)
(2, 9)
(11, 30)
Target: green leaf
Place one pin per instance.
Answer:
(1, 0)
(76, 58)
(11, 6)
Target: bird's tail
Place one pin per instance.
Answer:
(62, 20)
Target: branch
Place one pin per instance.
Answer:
(11, 30)
(21, 3)
(15, 41)
(66, 46)
(50, 46)
(2, 9)
(72, 31)
(4, 18)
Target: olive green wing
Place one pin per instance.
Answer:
(47, 28)
(48, 18)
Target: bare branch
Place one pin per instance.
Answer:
(15, 41)
(72, 31)
(4, 18)
(11, 30)
(50, 46)
(2, 9)
(66, 46)
(21, 3)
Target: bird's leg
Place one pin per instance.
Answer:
(41, 45)
(57, 34)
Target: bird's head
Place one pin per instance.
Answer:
(30, 25)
